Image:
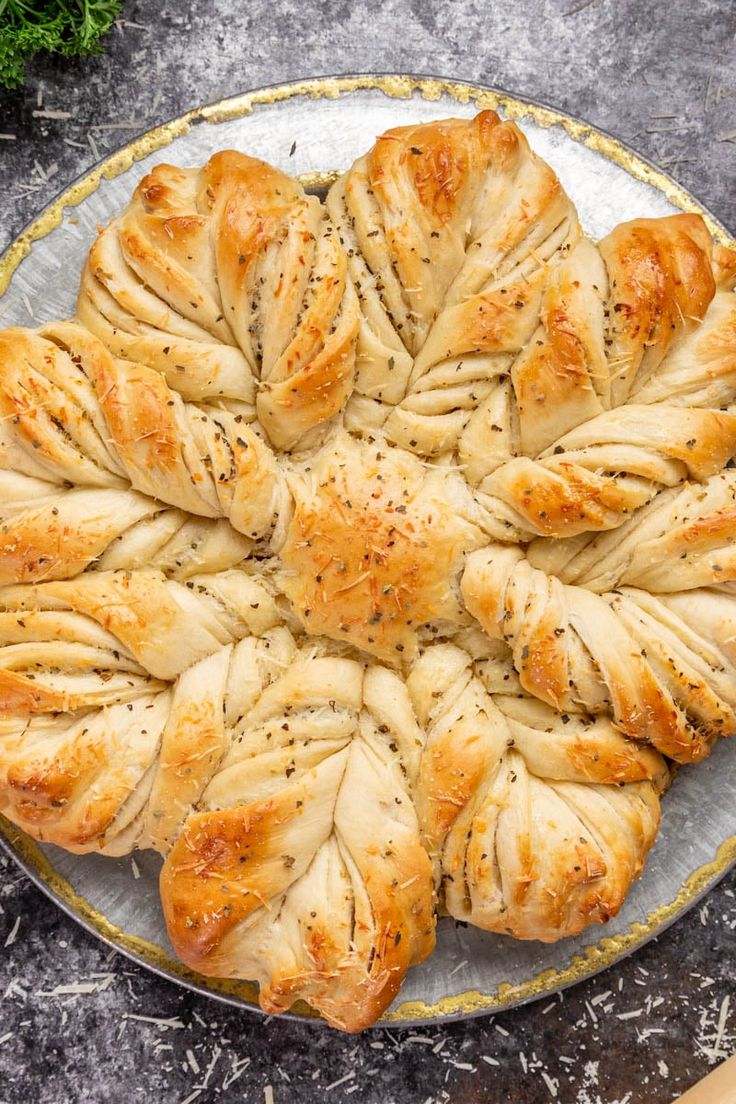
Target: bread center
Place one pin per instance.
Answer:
(375, 547)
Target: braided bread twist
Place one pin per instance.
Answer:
(231, 282)
(70, 413)
(492, 330)
(537, 827)
(138, 617)
(51, 531)
(662, 282)
(663, 666)
(603, 471)
(684, 538)
(448, 227)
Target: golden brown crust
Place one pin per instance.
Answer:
(211, 853)
(600, 473)
(724, 266)
(73, 413)
(375, 547)
(683, 539)
(101, 637)
(424, 180)
(701, 369)
(69, 786)
(661, 286)
(523, 844)
(51, 424)
(232, 867)
(657, 674)
(456, 371)
(560, 379)
(230, 281)
(449, 227)
(45, 534)
(51, 531)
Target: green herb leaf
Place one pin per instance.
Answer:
(68, 27)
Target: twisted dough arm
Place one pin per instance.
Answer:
(48, 532)
(662, 281)
(648, 304)
(447, 227)
(112, 773)
(623, 332)
(72, 413)
(618, 323)
(536, 828)
(700, 369)
(310, 825)
(69, 644)
(606, 469)
(233, 274)
(489, 326)
(610, 316)
(684, 538)
(663, 672)
(508, 371)
(277, 783)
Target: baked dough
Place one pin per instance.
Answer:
(537, 823)
(375, 547)
(307, 805)
(48, 531)
(73, 414)
(658, 664)
(371, 558)
(231, 282)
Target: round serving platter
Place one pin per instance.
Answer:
(312, 128)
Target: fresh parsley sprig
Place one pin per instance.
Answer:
(67, 27)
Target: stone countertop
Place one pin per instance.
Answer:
(79, 1022)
